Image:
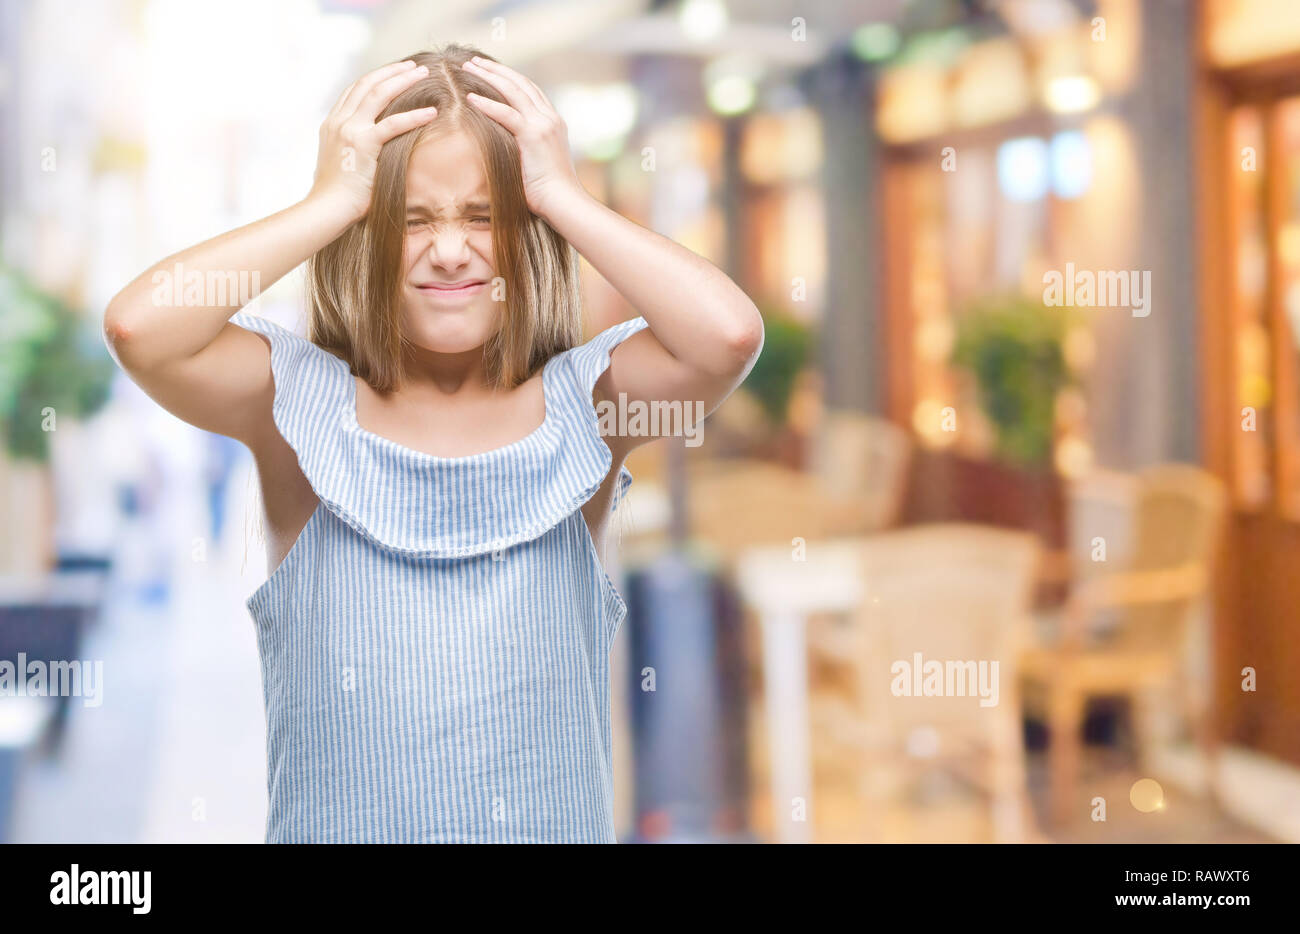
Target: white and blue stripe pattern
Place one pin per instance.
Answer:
(435, 646)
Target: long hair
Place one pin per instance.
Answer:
(354, 285)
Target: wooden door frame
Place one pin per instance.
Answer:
(1251, 533)
(1218, 93)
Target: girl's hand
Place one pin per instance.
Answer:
(350, 139)
(547, 168)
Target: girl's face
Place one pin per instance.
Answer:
(447, 291)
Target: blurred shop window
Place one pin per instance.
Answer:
(1262, 154)
(1070, 158)
(1011, 210)
(927, 294)
(675, 180)
(1022, 169)
(1004, 160)
(997, 63)
(1240, 31)
(780, 158)
(1287, 319)
(1254, 384)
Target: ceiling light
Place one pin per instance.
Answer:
(702, 20)
(1071, 94)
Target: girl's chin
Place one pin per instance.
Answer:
(450, 332)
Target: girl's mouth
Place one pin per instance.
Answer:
(451, 290)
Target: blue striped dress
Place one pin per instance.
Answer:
(435, 646)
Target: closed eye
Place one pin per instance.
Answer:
(478, 219)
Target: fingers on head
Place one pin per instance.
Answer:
(350, 98)
(381, 94)
(398, 123)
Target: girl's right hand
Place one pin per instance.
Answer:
(350, 139)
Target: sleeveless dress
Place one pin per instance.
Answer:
(434, 648)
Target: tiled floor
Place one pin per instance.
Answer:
(949, 813)
(175, 753)
(1185, 818)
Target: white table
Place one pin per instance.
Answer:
(784, 591)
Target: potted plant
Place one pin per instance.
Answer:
(52, 366)
(787, 343)
(1013, 349)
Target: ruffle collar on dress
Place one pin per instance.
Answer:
(435, 507)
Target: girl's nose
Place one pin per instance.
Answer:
(450, 246)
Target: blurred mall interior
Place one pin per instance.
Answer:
(1028, 408)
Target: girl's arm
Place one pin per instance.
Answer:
(699, 315)
(187, 357)
(704, 333)
(178, 345)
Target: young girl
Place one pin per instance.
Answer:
(435, 630)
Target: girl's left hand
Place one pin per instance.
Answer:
(548, 173)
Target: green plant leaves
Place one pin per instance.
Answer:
(1013, 347)
(786, 345)
(49, 359)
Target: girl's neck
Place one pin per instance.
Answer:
(444, 374)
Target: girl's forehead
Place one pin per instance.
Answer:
(446, 170)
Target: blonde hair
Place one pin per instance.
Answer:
(354, 284)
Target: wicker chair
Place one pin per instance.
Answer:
(1125, 632)
(953, 592)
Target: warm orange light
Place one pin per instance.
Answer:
(1071, 94)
